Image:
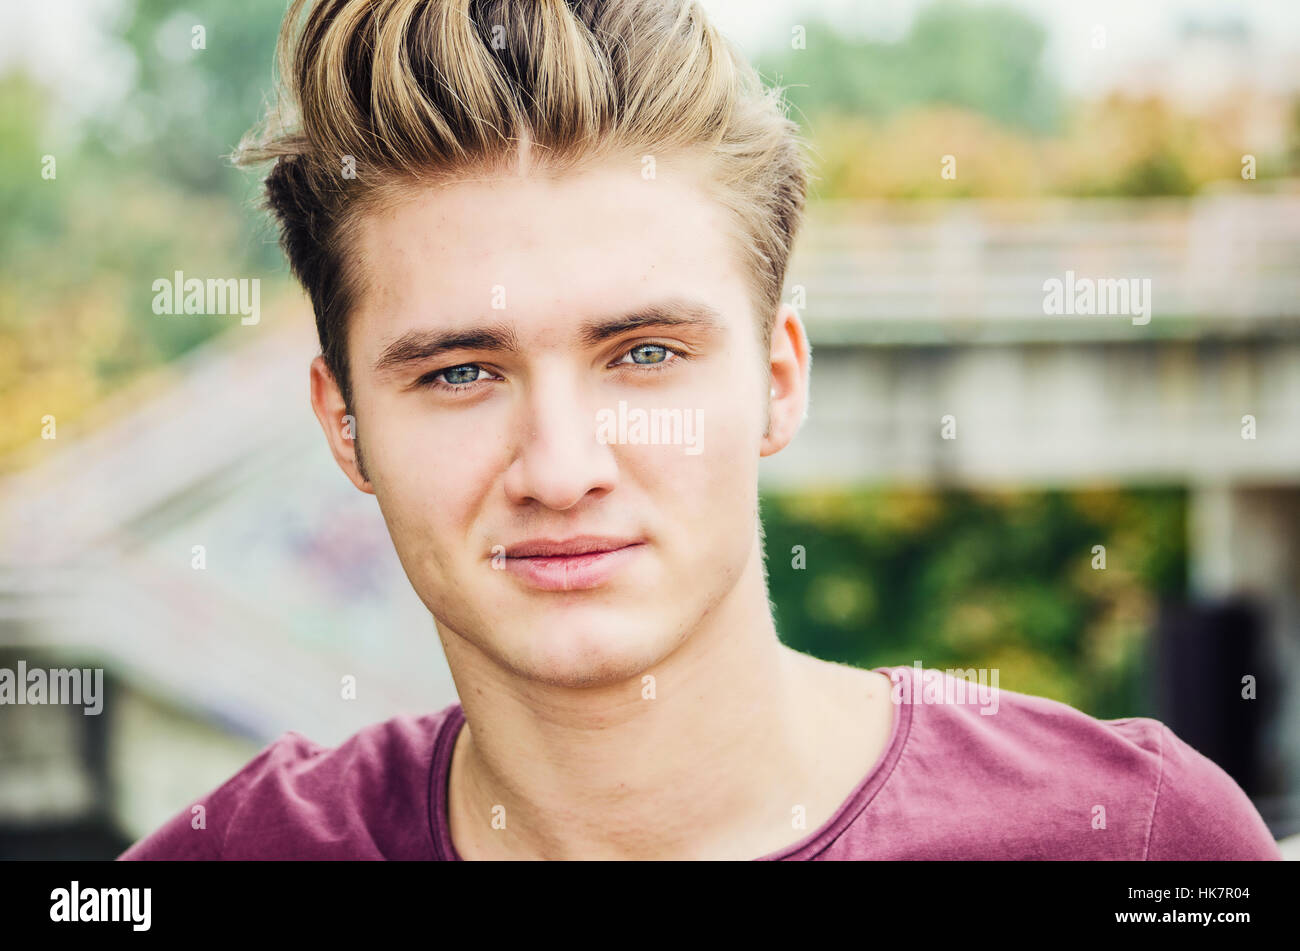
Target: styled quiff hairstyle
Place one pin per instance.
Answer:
(379, 95)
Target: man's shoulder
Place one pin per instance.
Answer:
(968, 709)
(297, 799)
(1020, 743)
(1069, 778)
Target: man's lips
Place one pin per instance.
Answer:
(577, 545)
(571, 564)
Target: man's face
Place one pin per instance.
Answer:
(528, 432)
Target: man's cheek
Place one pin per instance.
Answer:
(704, 494)
(411, 454)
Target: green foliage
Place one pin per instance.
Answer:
(142, 190)
(1160, 174)
(971, 81)
(987, 59)
(998, 580)
(30, 212)
(191, 106)
(1293, 139)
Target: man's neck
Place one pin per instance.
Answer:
(742, 736)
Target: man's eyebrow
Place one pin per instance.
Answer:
(417, 346)
(670, 313)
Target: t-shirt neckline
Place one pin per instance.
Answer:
(811, 845)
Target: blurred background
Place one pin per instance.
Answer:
(964, 457)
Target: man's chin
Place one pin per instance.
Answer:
(581, 654)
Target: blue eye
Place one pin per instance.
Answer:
(655, 353)
(656, 356)
(458, 375)
(453, 378)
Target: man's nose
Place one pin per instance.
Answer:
(558, 459)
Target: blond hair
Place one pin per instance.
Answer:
(382, 94)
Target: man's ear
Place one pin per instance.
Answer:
(340, 428)
(791, 361)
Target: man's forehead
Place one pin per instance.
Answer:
(478, 218)
(465, 259)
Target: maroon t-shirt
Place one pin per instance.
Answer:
(1037, 779)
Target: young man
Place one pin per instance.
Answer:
(525, 227)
